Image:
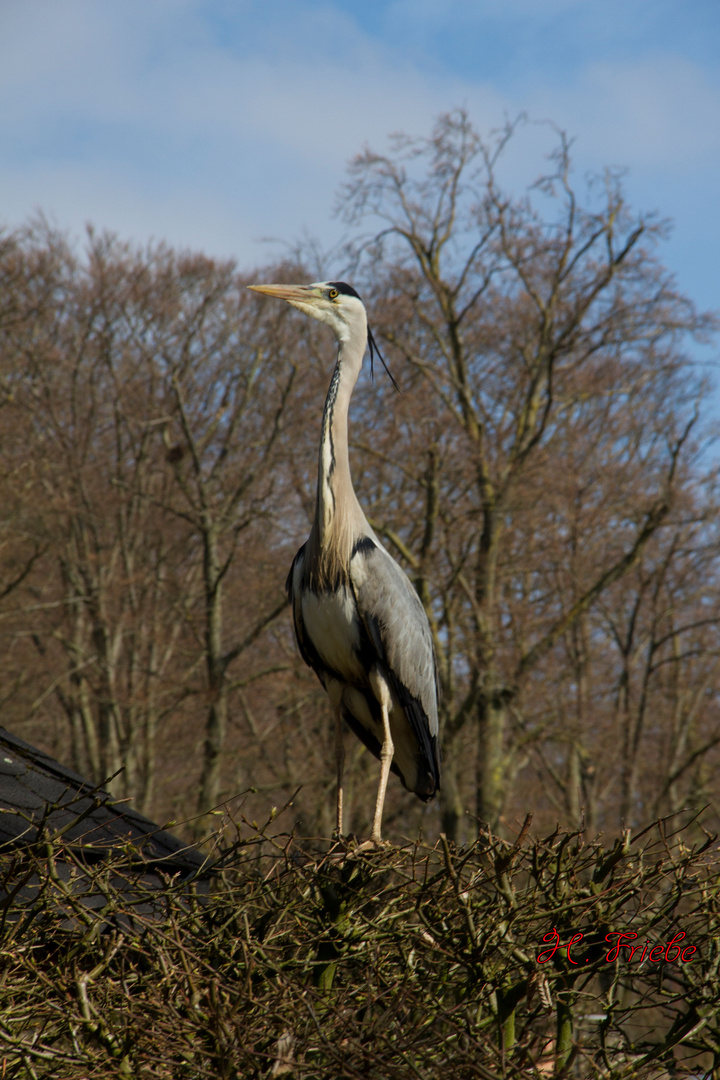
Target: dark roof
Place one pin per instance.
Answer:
(36, 789)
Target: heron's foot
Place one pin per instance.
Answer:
(375, 843)
(341, 848)
(340, 842)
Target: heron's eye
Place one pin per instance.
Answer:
(333, 293)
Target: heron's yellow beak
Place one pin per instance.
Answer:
(292, 293)
(306, 298)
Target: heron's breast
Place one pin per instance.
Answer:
(331, 623)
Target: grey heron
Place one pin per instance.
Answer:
(358, 620)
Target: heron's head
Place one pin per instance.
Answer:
(334, 303)
(331, 302)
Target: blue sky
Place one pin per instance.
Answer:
(216, 124)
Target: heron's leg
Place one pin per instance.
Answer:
(340, 763)
(386, 755)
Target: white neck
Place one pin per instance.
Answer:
(336, 498)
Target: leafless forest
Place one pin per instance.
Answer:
(546, 477)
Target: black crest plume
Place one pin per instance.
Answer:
(372, 344)
(347, 290)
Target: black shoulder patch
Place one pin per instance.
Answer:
(344, 288)
(363, 545)
(289, 582)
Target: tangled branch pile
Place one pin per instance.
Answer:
(406, 962)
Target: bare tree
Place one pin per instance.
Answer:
(231, 381)
(86, 385)
(151, 414)
(552, 410)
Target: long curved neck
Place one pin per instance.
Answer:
(337, 506)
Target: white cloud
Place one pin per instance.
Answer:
(146, 123)
(669, 110)
(659, 112)
(317, 90)
(214, 123)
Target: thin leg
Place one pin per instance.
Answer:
(386, 756)
(340, 763)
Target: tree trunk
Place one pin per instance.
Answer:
(215, 729)
(492, 713)
(451, 803)
(573, 795)
(216, 723)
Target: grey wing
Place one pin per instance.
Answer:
(397, 626)
(293, 590)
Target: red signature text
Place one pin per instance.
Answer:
(622, 948)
